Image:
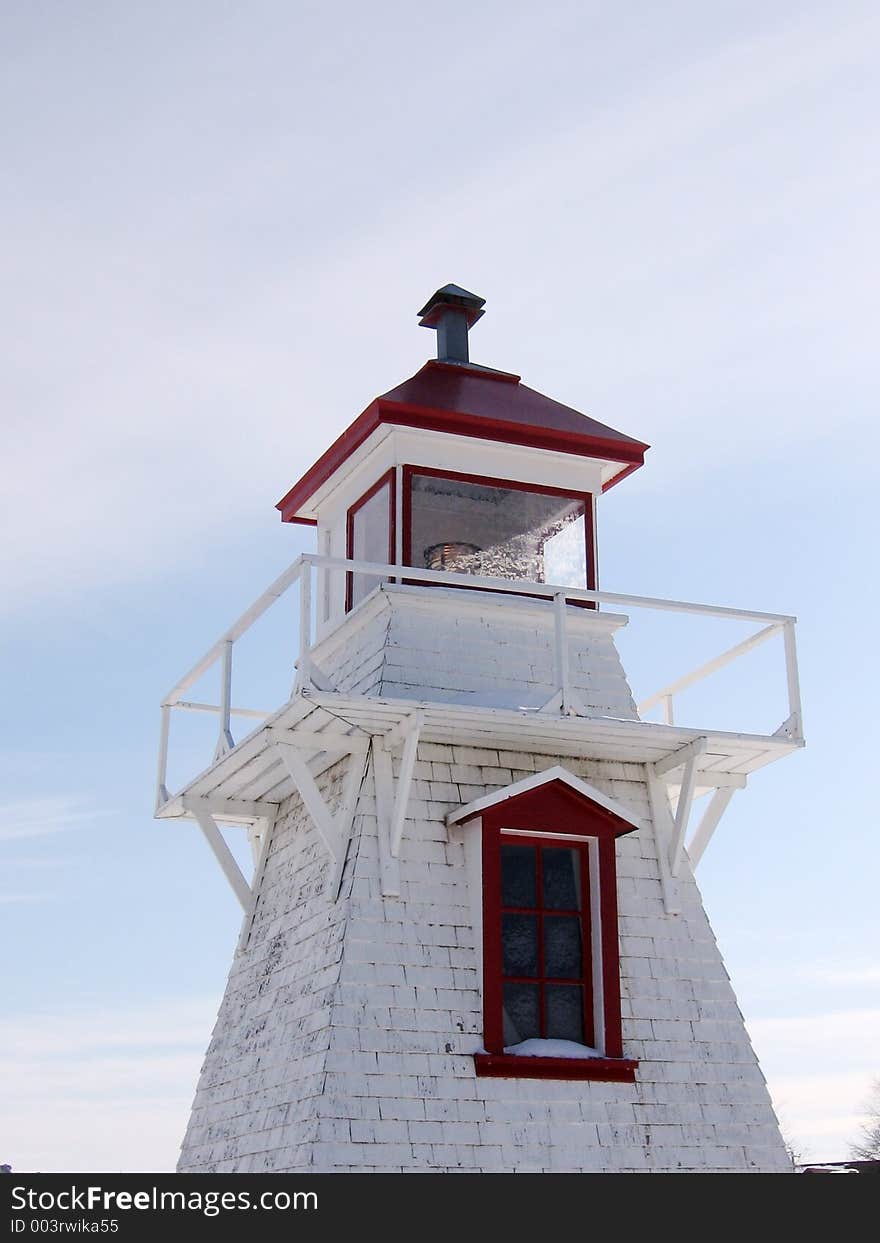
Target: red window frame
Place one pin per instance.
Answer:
(548, 815)
(390, 477)
(542, 914)
(515, 485)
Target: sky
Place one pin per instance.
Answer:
(218, 222)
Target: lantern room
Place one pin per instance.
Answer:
(461, 469)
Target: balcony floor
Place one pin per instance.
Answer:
(250, 780)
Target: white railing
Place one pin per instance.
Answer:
(302, 570)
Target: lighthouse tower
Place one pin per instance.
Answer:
(472, 939)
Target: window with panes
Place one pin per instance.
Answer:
(546, 973)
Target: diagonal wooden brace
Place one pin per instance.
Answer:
(224, 855)
(334, 830)
(300, 774)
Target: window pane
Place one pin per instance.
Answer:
(518, 884)
(521, 1019)
(564, 1012)
(519, 941)
(562, 878)
(370, 539)
(562, 947)
(565, 555)
(473, 528)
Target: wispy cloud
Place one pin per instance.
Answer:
(657, 174)
(843, 974)
(39, 817)
(819, 1068)
(107, 1089)
(838, 981)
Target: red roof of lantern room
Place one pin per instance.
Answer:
(468, 400)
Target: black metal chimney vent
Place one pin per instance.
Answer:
(452, 311)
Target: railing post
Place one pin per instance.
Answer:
(795, 717)
(668, 715)
(305, 628)
(225, 741)
(162, 795)
(563, 676)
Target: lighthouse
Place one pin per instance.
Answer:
(471, 938)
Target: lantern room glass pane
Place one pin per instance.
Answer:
(497, 532)
(370, 539)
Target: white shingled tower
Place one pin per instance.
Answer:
(472, 939)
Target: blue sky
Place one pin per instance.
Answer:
(219, 223)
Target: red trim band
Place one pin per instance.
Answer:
(482, 427)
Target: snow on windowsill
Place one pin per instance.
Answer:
(551, 1048)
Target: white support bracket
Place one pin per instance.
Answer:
(224, 856)
(383, 776)
(688, 758)
(404, 780)
(709, 822)
(334, 830)
(260, 835)
(683, 811)
(679, 757)
(661, 819)
(300, 774)
(256, 836)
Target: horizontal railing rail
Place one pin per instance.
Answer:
(301, 572)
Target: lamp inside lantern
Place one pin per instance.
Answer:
(450, 556)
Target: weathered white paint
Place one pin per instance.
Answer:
(345, 1038)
